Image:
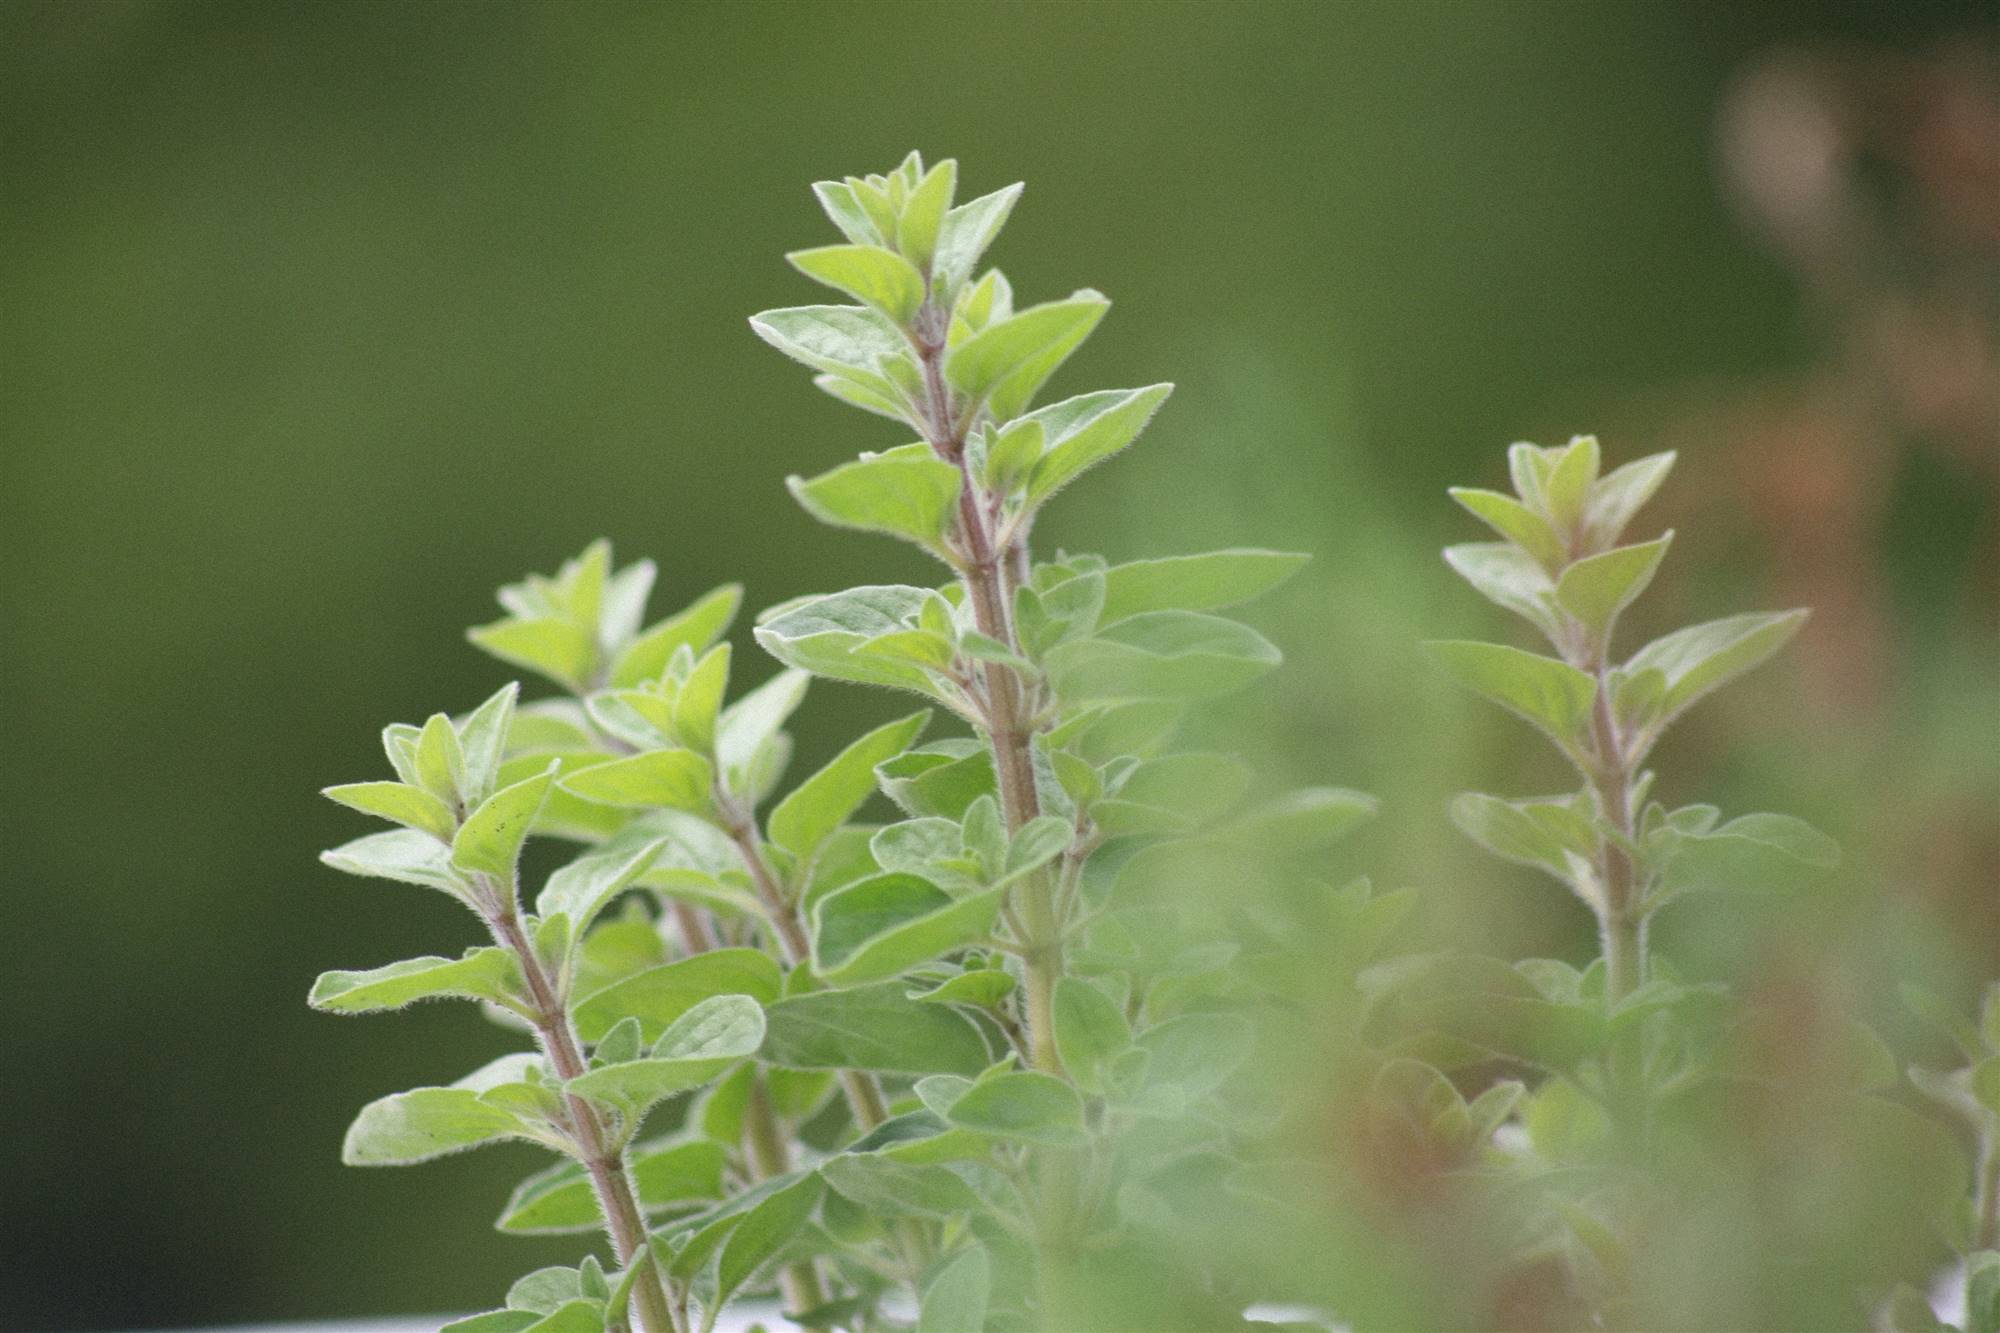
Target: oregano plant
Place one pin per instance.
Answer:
(1598, 1056)
(938, 1070)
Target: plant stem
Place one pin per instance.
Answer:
(1621, 917)
(603, 1156)
(985, 572)
(770, 1158)
(1986, 1196)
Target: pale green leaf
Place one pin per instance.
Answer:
(1090, 1031)
(1510, 578)
(1160, 655)
(402, 854)
(1597, 588)
(659, 996)
(1025, 1105)
(546, 646)
(416, 1126)
(887, 924)
(1206, 582)
(869, 273)
(695, 628)
(582, 889)
(669, 779)
(1517, 523)
(848, 343)
(887, 1187)
(1619, 495)
(561, 1198)
(696, 1048)
(1553, 695)
(967, 230)
(820, 804)
(1084, 431)
(1705, 657)
(872, 1027)
(763, 1234)
(823, 635)
(955, 1300)
(490, 840)
(924, 214)
(481, 974)
(412, 807)
(1006, 354)
(909, 495)
(482, 737)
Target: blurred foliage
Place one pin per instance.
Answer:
(323, 319)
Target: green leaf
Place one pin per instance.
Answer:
(823, 802)
(848, 343)
(1206, 582)
(1084, 431)
(490, 840)
(1982, 1292)
(659, 996)
(1025, 1105)
(481, 974)
(1553, 695)
(1510, 578)
(695, 628)
(404, 854)
(1597, 588)
(837, 198)
(1511, 830)
(583, 888)
(1618, 496)
(562, 1199)
(1090, 1031)
(440, 760)
(823, 635)
(1752, 851)
(1305, 820)
(668, 779)
(1705, 657)
(1566, 487)
(748, 744)
(941, 779)
(412, 807)
(482, 737)
(494, 1321)
(924, 213)
(869, 273)
(886, 1187)
(1160, 655)
(416, 1126)
(697, 1047)
(1027, 346)
(763, 1234)
(544, 645)
(872, 1027)
(698, 702)
(983, 987)
(911, 495)
(1517, 523)
(956, 1299)
(889, 923)
(1194, 1055)
(967, 230)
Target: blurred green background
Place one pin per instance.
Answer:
(321, 320)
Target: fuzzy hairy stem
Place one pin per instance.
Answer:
(771, 1158)
(1621, 918)
(988, 574)
(603, 1156)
